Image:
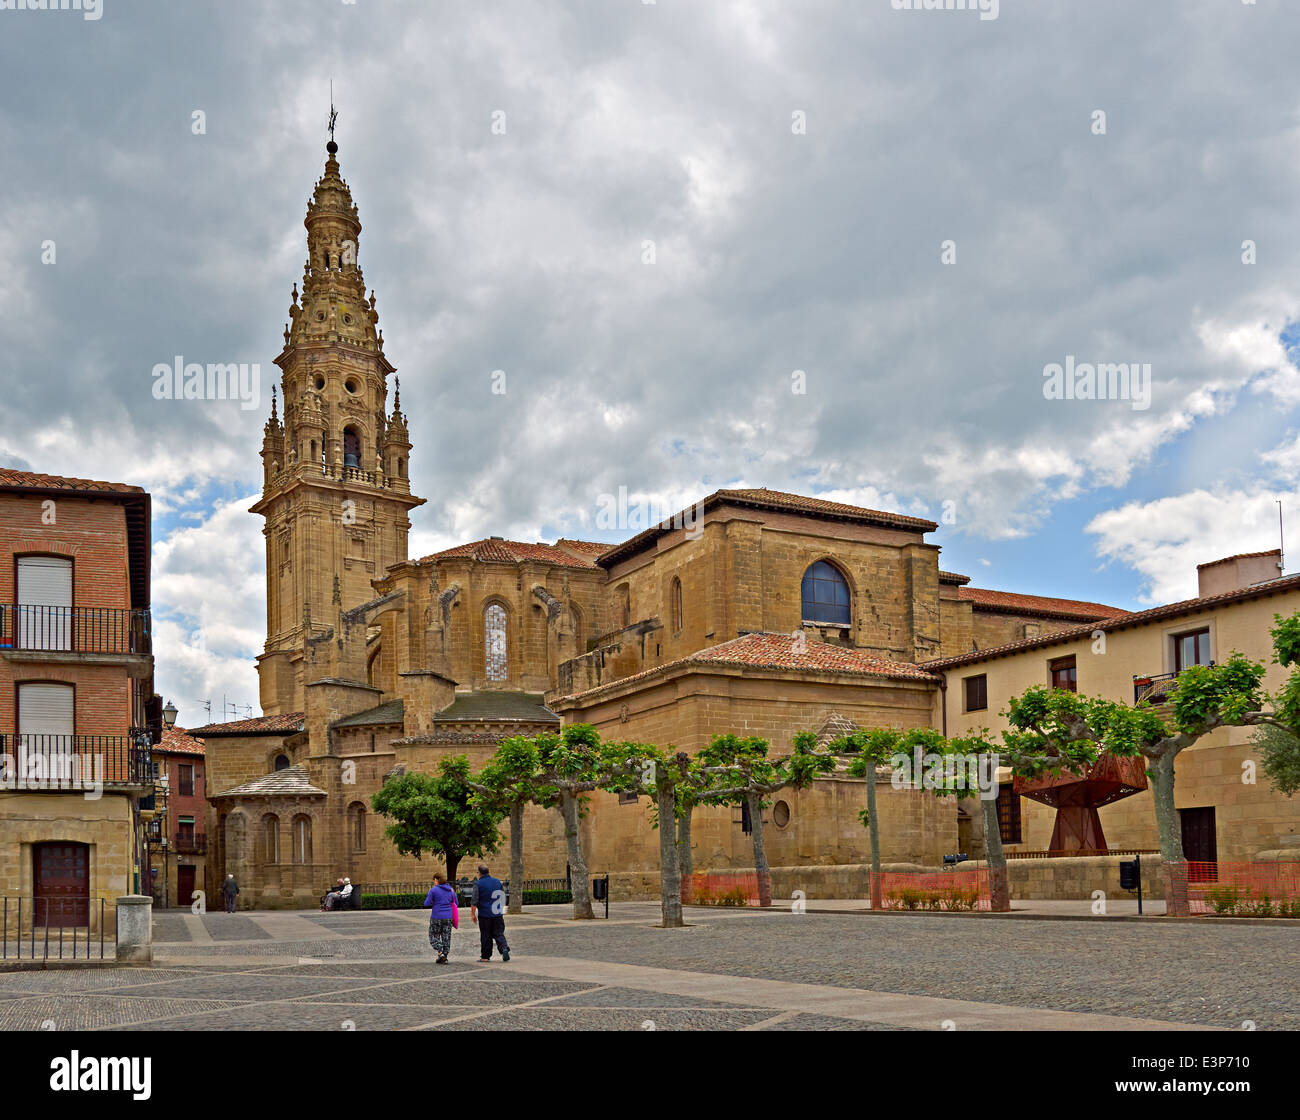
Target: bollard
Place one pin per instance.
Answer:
(135, 928)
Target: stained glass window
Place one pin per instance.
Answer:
(494, 626)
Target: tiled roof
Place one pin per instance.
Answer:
(454, 737)
(390, 712)
(594, 548)
(290, 782)
(776, 500)
(27, 480)
(1012, 602)
(1123, 621)
(261, 725)
(515, 552)
(777, 651)
(176, 740)
(497, 705)
(952, 577)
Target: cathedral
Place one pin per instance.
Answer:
(756, 612)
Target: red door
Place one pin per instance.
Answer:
(62, 884)
(184, 884)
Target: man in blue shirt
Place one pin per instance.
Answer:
(488, 909)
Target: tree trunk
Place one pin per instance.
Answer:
(685, 860)
(761, 869)
(1169, 828)
(670, 872)
(569, 811)
(999, 887)
(516, 858)
(873, 829)
(453, 861)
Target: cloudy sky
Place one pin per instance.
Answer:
(800, 170)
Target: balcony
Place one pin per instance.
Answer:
(30, 632)
(1155, 688)
(75, 762)
(195, 844)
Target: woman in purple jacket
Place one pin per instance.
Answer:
(444, 916)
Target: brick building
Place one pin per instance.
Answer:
(77, 709)
(177, 835)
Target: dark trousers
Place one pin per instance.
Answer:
(491, 927)
(230, 904)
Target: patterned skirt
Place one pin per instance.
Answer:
(440, 935)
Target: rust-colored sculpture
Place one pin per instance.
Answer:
(1077, 797)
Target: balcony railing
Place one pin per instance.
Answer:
(196, 844)
(26, 627)
(1154, 687)
(70, 762)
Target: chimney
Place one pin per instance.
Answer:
(1235, 572)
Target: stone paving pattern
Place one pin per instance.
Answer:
(374, 971)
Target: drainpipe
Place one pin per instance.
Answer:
(943, 690)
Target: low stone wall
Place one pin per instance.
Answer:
(1076, 877)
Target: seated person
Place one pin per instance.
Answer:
(330, 898)
(335, 899)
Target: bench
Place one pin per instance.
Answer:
(352, 902)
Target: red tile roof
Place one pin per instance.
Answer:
(952, 577)
(27, 480)
(776, 500)
(176, 740)
(494, 550)
(260, 725)
(777, 651)
(1123, 621)
(1012, 603)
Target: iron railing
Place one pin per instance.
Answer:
(1061, 853)
(31, 627)
(193, 845)
(460, 884)
(61, 762)
(1154, 687)
(51, 928)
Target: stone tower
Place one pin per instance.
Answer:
(336, 490)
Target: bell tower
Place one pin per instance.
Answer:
(335, 490)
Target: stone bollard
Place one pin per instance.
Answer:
(135, 928)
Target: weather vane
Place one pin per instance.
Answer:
(333, 112)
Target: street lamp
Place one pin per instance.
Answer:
(169, 714)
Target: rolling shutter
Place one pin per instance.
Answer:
(45, 709)
(44, 602)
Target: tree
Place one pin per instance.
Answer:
(506, 784)
(866, 750)
(571, 765)
(662, 775)
(437, 813)
(1281, 752)
(746, 775)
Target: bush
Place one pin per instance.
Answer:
(392, 901)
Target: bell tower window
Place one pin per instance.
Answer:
(351, 448)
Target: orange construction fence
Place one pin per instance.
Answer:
(1242, 890)
(936, 890)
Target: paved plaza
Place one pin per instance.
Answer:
(730, 970)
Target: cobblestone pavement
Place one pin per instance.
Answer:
(732, 970)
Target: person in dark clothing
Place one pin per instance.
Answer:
(229, 889)
(488, 909)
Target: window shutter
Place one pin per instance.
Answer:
(45, 709)
(44, 602)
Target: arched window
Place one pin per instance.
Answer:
(494, 642)
(351, 448)
(357, 826)
(825, 594)
(624, 600)
(675, 603)
(302, 839)
(271, 838)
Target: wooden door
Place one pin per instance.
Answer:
(1200, 844)
(184, 884)
(62, 884)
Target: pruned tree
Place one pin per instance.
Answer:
(507, 784)
(740, 772)
(438, 813)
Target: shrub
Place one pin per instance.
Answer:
(1223, 900)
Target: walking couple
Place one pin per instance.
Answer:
(487, 909)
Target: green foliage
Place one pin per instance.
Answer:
(1286, 640)
(1281, 752)
(1206, 696)
(438, 813)
(392, 901)
(934, 899)
(1241, 902)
